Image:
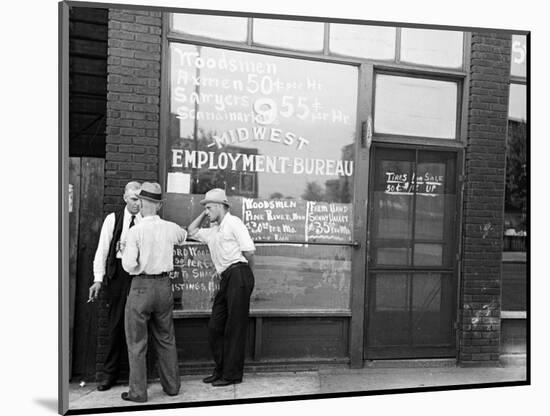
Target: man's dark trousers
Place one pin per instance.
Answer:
(228, 325)
(117, 291)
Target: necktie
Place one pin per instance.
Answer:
(132, 223)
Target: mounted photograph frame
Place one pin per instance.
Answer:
(380, 168)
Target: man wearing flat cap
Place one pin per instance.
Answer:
(232, 250)
(148, 258)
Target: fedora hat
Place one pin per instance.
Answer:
(216, 196)
(150, 191)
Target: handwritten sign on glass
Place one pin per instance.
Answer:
(194, 278)
(407, 184)
(297, 220)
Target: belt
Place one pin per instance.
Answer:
(233, 266)
(152, 276)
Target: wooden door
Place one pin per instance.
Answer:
(411, 283)
(86, 175)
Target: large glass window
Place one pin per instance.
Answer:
(371, 42)
(415, 107)
(289, 34)
(278, 134)
(442, 48)
(215, 27)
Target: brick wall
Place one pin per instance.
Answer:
(479, 326)
(133, 101)
(133, 114)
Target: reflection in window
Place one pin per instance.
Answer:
(261, 126)
(276, 133)
(442, 48)
(518, 65)
(415, 107)
(301, 277)
(215, 27)
(372, 42)
(515, 218)
(289, 34)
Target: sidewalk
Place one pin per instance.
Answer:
(273, 384)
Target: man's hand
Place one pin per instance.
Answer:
(94, 291)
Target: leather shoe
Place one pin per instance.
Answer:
(105, 385)
(223, 382)
(211, 378)
(126, 396)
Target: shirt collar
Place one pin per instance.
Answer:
(128, 214)
(223, 220)
(150, 218)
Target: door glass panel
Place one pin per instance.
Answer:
(431, 312)
(392, 225)
(415, 107)
(389, 311)
(393, 256)
(410, 310)
(413, 208)
(428, 254)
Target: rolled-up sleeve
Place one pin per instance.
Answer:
(202, 234)
(131, 252)
(180, 234)
(242, 235)
(102, 251)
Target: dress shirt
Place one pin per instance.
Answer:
(105, 238)
(150, 246)
(226, 241)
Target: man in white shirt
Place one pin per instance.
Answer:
(109, 275)
(148, 258)
(232, 251)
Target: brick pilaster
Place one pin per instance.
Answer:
(484, 200)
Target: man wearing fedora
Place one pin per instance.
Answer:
(232, 250)
(113, 279)
(148, 258)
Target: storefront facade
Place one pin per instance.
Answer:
(368, 163)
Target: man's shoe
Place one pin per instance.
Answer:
(126, 396)
(105, 385)
(223, 382)
(211, 379)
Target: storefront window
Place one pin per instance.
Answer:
(441, 48)
(278, 134)
(215, 27)
(415, 107)
(289, 34)
(371, 42)
(518, 66)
